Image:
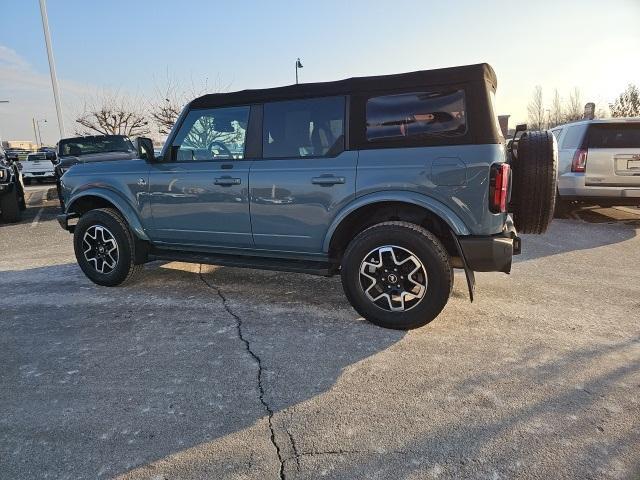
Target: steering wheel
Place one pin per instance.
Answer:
(222, 146)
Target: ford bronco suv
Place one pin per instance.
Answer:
(389, 181)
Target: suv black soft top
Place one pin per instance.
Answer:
(478, 81)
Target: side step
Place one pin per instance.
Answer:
(243, 261)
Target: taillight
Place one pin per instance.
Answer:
(579, 162)
(499, 187)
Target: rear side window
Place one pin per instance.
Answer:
(614, 136)
(303, 128)
(416, 115)
(573, 137)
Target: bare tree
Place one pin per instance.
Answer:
(535, 110)
(556, 116)
(112, 114)
(575, 107)
(627, 104)
(170, 98)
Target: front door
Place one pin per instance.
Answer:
(304, 176)
(199, 197)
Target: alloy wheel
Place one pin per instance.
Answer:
(393, 278)
(100, 249)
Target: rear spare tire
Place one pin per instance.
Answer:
(534, 173)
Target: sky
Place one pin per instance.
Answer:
(132, 47)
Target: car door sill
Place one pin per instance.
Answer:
(243, 261)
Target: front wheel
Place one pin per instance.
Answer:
(105, 247)
(397, 275)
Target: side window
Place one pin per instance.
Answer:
(573, 137)
(303, 128)
(416, 115)
(212, 134)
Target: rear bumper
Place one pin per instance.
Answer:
(571, 186)
(491, 253)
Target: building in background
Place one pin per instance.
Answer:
(24, 144)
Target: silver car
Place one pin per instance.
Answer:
(599, 161)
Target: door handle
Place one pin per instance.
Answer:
(327, 180)
(227, 181)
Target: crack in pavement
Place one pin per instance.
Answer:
(258, 361)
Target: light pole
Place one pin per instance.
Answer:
(298, 65)
(52, 65)
(2, 101)
(39, 133)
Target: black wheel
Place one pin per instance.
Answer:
(397, 275)
(535, 172)
(105, 247)
(10, 206)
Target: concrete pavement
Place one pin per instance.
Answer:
(204, 372)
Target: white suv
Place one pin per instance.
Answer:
(599, 161)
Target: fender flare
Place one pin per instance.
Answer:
(119, 202)
(436, 207)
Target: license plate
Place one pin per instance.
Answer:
(633, 165)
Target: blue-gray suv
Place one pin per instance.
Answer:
(389, 181)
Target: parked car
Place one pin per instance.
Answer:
(91, 148)
(11, 192)
(390, 182)
(50, 153)
(37, 167)
(17, 154)
(599, 162)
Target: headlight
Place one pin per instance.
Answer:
(3, 174)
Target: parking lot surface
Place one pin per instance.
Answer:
(205, 372)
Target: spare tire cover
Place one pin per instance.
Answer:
(534, 174)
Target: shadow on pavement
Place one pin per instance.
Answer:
(582, 228)
(98, 381)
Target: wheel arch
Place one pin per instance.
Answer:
(96, 198)
(372, 209)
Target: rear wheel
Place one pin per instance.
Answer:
(534, 173)
(397, 275)
(105, 247)
(10, 206)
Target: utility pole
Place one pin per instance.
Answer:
(298, 65)
(52, 65)
(2, 101)
(35, 132)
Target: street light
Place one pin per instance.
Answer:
(38, 124)
(52, 65)
(298, 65)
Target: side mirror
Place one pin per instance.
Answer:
(145, 149)
(521, 127)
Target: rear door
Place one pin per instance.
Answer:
(305, 175)
(613, 158)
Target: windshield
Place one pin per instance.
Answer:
(90, 145)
